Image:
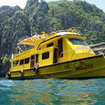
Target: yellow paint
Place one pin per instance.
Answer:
(47, 66)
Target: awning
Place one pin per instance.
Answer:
(28, 41)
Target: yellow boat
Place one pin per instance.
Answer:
(62, 54)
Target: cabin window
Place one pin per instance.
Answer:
(77, 42)
(50, 44)
(45, 55)
(32, 57)
(15, 63)
(26, 60)
(60, 48)
(21, 62)
(36, 58)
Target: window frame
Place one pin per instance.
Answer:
(50, 44)
(83, 42)
(20, 62)
(45, 55)
(26, 59)
(15, 63)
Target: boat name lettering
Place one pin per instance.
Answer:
(84, 65)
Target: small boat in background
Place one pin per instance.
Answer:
(62, 54)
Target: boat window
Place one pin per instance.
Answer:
(60, 48)
(32, 57)
(26, 60)
(15, 63)
(21, 62)
(45, 55)
(50, 44)
(77, 42)
(36, 58)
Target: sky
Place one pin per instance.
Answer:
(99, 3)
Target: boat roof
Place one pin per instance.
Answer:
(28, 41)
(39, 38)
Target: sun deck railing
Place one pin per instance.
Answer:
(98, 48)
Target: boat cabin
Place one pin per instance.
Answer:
(50, 49)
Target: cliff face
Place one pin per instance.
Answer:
(86, 18)
(16, 24)
(37, 13)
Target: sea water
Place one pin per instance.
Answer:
(52, 92)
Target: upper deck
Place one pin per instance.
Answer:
(36, 40)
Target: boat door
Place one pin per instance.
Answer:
(34, 61)
(55, 55)
(60, 47)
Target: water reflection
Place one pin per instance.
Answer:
(52, 92)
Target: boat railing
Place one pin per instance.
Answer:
(98, 48)
(96, 45)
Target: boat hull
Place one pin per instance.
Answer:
(90, 67)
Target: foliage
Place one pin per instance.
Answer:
(5, 59)
(16, 24)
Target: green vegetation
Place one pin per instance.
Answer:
(16, 24)
(5, 59)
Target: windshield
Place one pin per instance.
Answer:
(77, 42)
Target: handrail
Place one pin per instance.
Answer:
(99, 44)
(98, 49)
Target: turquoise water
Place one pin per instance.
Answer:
(52, 92)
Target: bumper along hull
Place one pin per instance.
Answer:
(90, 67)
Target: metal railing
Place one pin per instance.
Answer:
(98, 48)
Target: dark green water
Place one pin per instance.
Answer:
(52, 92)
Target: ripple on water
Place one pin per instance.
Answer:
(52, 92)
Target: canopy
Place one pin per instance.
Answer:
(28, 41)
